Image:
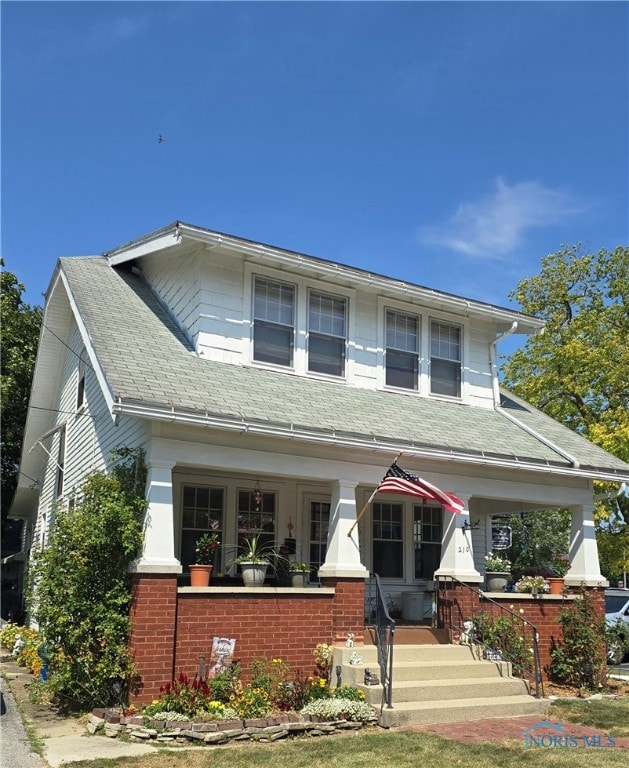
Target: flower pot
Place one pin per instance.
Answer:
(299, 578)
(497, 582)
(253, 574)
(556, 586)
(200, 575)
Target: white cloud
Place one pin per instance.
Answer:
(495, 226)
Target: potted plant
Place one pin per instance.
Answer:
(497, 572)
(537, 585)
(559, 568)
(205, 552)
(254, 557)
(299, 572)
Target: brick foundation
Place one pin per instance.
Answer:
(171, 628)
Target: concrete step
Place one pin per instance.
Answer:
(413, 635)
(429, 670)
(461, 710)
(448, 690)
(434, 653)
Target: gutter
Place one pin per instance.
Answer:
(292, 433)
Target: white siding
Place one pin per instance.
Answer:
(209, 294)
(91, 433)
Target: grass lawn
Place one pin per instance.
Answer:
(399, 750)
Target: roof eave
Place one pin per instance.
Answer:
(175, 233)
(156, 412)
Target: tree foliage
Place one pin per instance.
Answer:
(81, 590)
(576, 371)
(20, 335)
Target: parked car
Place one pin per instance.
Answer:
(617, 613)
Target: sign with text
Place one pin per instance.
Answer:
(500, 536)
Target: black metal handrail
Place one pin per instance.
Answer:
(384, 628)
(486, 625)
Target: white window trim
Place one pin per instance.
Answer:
(300, 349)
(402, 309)
(465, 334)
(316, 289)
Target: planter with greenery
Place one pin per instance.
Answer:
(497, 572)
(253, 558)
(205, 553)
(536, 585)
(299, 573)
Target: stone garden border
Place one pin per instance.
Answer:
(215, 732)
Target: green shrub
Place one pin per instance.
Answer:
(580, 657)
(81, 595)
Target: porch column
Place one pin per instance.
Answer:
(158, 552)
(585, 568)
(343, 554)
(457, 555)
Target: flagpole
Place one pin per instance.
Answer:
(369, 500)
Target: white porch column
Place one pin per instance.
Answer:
(457, 555)
(343, 554)
(158, 552)
(584, 563)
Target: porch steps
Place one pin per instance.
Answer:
(413, 634)
(437, 683)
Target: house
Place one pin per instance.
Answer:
(271, 390)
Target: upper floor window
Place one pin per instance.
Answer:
(326, 334)
(80, 391)
(445, 359)
(273, 322)
(61, 459)
(401, 350)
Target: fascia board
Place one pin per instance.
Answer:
(155, 413)
(89, 347)
(331, 270)
(174, 234)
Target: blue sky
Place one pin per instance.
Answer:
(449, 144)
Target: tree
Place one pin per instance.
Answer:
(576, 371)
(20, 335)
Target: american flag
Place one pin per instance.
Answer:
(397, 480)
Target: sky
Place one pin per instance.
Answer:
(450, 144)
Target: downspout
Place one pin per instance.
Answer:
(496, 387)
(494, 365)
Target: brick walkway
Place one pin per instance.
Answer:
(500, 729)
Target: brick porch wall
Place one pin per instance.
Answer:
(541, 612)
(171, 629)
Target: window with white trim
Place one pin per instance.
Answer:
(327, 334)
(427, 532)
(318, 530)
(401, 349)
(445, 359)
(387, 540)
(202, 511)
(273, 322)
(256, 516)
